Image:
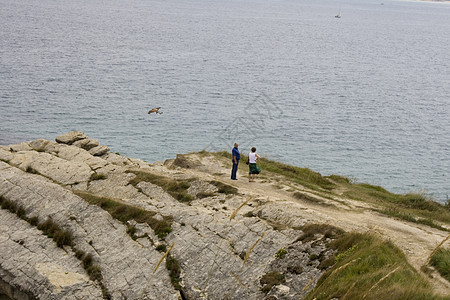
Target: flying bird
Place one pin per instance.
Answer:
(155, 110)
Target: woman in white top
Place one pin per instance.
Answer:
(253, 168)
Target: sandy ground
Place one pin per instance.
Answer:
(415, 240)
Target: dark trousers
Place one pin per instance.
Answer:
(234, 170)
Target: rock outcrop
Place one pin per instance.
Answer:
(218, 254)
(142, 231)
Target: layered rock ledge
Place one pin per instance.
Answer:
(220, 243)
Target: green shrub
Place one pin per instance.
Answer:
(281, 253)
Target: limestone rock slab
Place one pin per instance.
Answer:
(86, 144)
(71, 137)
(99, 150)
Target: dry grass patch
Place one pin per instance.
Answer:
(271, 279)
(124, 212)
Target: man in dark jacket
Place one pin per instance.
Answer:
(236, 157)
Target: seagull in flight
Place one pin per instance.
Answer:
(155, 110)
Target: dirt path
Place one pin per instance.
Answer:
(417, 241)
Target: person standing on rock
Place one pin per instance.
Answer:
(253, 168)
(236, 157)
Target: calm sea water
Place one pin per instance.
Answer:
(366, 95)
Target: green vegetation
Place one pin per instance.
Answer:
(173, 266)
(93, 270)
(412, 207)
(369, 268)
(176, 188)
(124, 212)
(270, 279)
(52, 230)
(49, 228)
(281, 253)
(441, 261)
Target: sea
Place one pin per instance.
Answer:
(366, 95)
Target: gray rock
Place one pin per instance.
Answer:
(86, 144)
(39, 144)
(201, 187)
(99, 150)
(6, 155)
(53, 274)
(20, 147)
(127, 266)
(210, 239)
(70, 137)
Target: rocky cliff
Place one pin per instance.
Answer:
(81, 222)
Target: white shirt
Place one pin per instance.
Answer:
(252, 158)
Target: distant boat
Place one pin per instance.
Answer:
(338, 15)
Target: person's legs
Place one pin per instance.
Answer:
(234, 170)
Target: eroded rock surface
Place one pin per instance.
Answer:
(221, 244)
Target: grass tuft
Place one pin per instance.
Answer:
(271, 279)
(173, 266)
(96, 176)
(441, 261)
(52, 230)
(281, 253)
